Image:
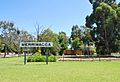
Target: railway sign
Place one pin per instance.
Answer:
(36, 44)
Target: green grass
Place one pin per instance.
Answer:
(13, 70)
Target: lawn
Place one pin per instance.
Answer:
(13, 70)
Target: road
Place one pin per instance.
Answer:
(10, 55)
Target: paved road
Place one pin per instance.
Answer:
(10, 55)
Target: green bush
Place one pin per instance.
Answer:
(36, 58)
(52, 58)
(37, 54)
(41, 58)
(31, 59)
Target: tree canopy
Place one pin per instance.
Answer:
(103, 23)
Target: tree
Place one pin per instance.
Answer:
(85, 34)
(76, 43)
(11, 36)
(39, 30)
(48, 36)
(103, 23)
(76, 32)
(63, 41)
(0, 44)
(25, 36)
(105, 16)
(76, 37)
(7, 28)
(96, 3)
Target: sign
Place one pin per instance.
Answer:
(36, 44)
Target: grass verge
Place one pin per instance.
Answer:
(13, 70)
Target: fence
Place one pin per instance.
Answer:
(73, 52)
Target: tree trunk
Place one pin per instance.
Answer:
(5, 55)
(106, 39)
(5, 51)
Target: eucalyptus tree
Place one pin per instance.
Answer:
(7, 28)
(10, 36)
(104, 25)
(63, 41)
(76, 37)
(76, 32)
(96, 3)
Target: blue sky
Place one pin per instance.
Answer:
(59, 15)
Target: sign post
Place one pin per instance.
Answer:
(24, 57)
(36, 44)
(47, 53)
(25, 52)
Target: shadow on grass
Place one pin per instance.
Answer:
(29, 63)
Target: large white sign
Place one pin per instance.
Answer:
(36, 44)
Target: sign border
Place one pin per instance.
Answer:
(36, 44)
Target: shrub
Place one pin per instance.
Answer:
(52, 58)
(36, 58)
(40, 58)
(37, 54)
(31, 59)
